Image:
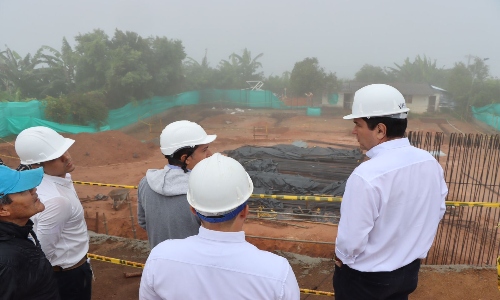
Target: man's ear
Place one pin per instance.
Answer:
(3, 211)
(183, 157)
(193, 210)
(244, 213)
(381, 131)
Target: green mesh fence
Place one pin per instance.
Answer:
(17, 116)
(489, 114)
(333, 99)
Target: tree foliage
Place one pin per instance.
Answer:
(470, 86)
(421, 70)
(80, 83)
(373, 74)
(238, 69)
(77, 108)
(88, 108)
(19, 75)
(308, 77)
(199, 76)
(278, 84)
(57, 109)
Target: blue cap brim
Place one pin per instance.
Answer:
(13, 181)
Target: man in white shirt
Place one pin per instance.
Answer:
(61, 227)
(392, 203)
(217, 263)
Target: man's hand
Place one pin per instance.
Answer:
(338, 262)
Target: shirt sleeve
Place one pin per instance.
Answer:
(358, 213)
(51, 224)
(444, 193)
(291, 289)
(141, 215)
(146, 290)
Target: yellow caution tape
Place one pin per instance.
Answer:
(141, 266)
(116, 261)
(498, 270)
(314, 292)
(298, 197)
(303, 198)
(106, 184)
(472, 204)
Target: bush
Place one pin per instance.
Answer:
(89, 108)
(57, 109)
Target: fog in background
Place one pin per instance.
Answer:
(343, 35)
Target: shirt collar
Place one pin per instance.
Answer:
(392, 144)
(228, 237)
(66, 181)
(172, 167)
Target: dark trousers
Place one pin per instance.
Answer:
(75, 284)
(350, 284)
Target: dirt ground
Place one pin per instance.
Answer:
(122, 157)
(435, 282)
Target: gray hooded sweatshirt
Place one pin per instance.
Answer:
(162, 207)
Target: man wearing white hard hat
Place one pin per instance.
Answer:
(61, 227)
(25, 272)
(217, 263)
(163, 210)
(392, 203)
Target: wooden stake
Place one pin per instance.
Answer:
(132, 218)
(105, 223)
(96, 222)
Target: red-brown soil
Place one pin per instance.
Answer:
(435, 282)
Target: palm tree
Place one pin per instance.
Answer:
(421, 70)
(247, 65)
(239, 69)
(59, 76)
(20, 75)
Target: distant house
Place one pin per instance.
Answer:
(420, 98)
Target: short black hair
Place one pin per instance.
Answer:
(175, 158)
(396, 128)
(5, 199)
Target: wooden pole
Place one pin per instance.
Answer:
(105, 223)
(132, 218)
(96, 222)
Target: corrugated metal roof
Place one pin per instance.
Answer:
(438, 88)
(405, 88)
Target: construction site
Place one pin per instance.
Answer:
(299, 164)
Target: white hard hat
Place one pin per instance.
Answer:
(378, 100)
(181, 134)
(218, 184)
(39, 144)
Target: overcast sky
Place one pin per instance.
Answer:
(343, 34)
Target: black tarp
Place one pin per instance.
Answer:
(288, 169)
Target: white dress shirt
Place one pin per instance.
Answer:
(61, 227)
(216, 265)
(391, 208)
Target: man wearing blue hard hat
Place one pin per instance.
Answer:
(25, 272)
